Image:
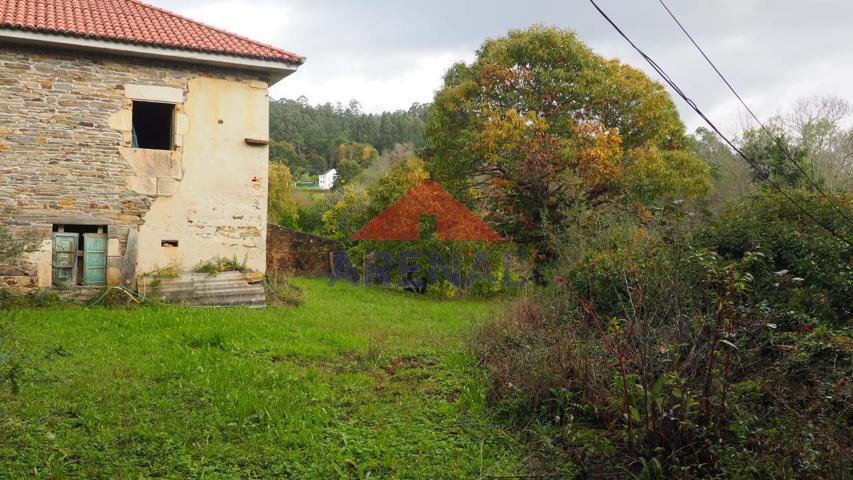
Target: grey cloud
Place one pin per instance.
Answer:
(764, 46)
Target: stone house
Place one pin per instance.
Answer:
(131, 139)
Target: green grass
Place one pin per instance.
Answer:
(357, 383)
(308, 197)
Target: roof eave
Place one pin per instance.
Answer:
(275, 69)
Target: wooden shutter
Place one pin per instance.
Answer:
(94, 259)
(65, 259)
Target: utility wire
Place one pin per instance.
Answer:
(699, 112)
(775, 139)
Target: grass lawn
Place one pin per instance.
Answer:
(307, 198)
(356, 383)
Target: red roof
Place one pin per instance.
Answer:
(131, 21)
(401, 221)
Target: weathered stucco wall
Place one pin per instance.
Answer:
(66, 158)
(220, 206)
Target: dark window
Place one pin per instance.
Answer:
(169, 243)
(152, 125)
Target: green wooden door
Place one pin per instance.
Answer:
(64, 258)
(94, 259)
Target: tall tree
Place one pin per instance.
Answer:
(356, 204)
(811, 144)
(316, 132)
(731, 176)
(283, 152)
(777, 157)
(281, 208)
(539, 121)
(821, 126)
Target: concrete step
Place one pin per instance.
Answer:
(176, 287)
(224, 289)
(210, 291)
(230, 301)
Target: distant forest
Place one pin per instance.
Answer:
(311, 139)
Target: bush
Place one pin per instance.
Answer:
(805, 268)
(442, 290)
(14, 245)
(281, 208)
(13, 363)
(10, 299)
(675, 355)
(355, 205)
(281, 291)
(218, 265)
(467, 254)
(535, 363)
(310, 219)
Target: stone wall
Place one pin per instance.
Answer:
(296, 253)
(66, 156)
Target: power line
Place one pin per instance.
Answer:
(699, 112)
(775, 139)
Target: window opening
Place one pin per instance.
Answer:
(153, 125)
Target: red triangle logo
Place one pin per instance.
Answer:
(401, 221)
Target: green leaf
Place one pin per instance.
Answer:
(657, 387)
(635, 413)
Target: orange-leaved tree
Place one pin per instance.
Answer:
(539, 122)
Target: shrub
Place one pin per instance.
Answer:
(805, 268)
(467, 253)
(279, 290)
(218, 265)
(14, 364)
(14, 245)
(443, 290)
(282, 208)
(535, 362)
(355, 205)
(676, 355)
(39, 298)
(158, 274)
(485, 288)
(310, 219)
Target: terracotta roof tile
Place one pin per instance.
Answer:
(131, 21)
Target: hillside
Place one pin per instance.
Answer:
(311, 139)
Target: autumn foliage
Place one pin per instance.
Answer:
(402, 220)
(538, 122)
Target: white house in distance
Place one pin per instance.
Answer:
(327, 180)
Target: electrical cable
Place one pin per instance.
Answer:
(775, 139)
(711, 124)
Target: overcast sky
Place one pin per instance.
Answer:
(388, 54)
